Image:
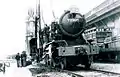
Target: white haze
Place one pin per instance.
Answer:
(13, 14)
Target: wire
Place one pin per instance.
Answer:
(53, 12)
(42, 17)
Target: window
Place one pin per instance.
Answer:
(97, 30)
(102, 30)
(94, 35)
(72, 15)
(106, 45)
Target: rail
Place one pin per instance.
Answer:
(74, 71)
(102, 71)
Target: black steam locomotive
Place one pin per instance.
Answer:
(64, 44)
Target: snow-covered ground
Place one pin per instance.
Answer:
(53, 74)
(111, 67)
(14, 71)
(115, 67)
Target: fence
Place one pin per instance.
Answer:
(3, 65)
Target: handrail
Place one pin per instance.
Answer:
(99, 7)
(102, 11)
(109, 49)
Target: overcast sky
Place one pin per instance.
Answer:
(13, 15)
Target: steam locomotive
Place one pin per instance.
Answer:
(64, 44)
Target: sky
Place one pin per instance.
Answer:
(13, 14)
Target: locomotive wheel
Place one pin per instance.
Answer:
(46, 60)
(52, 63)
(63, 64)
(87, 66)
(89, 61)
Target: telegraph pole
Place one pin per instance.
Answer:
(38, 19)
(38, 28)
(40, 39)
(39, 16)
(36, 32)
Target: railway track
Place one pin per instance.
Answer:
(72, 74)
(99, 73)
(52, 69)
(94, 71)
(107, 72)
(82, 72)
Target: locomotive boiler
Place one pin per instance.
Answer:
(66, 45)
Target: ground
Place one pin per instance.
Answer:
(13, 71)
(112, 67)
(35, 70)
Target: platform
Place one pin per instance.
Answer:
(14, 71)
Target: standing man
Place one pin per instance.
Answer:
(23, 58)
(17, 57)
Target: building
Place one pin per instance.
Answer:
(30, 34)
(106, 15)
(103, 22)
(97, 35)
